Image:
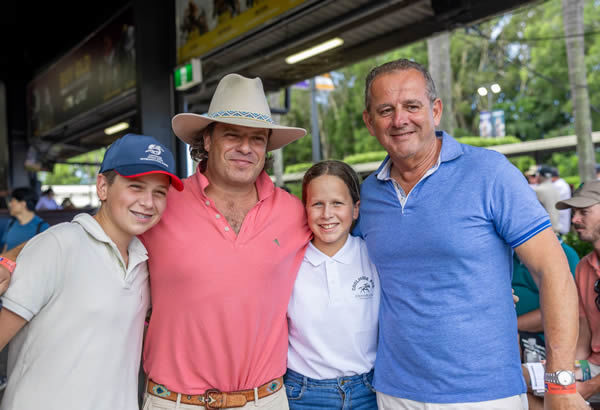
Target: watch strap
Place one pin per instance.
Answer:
(553, 388)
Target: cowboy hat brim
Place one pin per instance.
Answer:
(187, 126)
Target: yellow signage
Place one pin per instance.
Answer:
(203, 25)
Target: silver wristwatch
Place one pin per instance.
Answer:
(561, 377)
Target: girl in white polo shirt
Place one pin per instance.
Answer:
(333, 310)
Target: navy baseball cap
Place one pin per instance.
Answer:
(135, 155)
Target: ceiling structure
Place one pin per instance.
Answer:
(34, 37)
(367, 27)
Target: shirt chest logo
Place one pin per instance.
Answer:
(363, 288)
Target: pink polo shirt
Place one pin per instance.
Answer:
(220, 299)
(586, 274)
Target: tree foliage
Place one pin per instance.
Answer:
(74, 173)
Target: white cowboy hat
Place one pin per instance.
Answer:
(239, 101)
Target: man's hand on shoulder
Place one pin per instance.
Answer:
(4, 279)
(565, 401)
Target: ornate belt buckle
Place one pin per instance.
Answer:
(209, 400)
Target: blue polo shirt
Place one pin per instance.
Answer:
(447, 324)
(16, 233)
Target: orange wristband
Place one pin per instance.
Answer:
(552, 388)
(8, 264)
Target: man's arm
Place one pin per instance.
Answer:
(10, 324)
(4, 273)
(548, 266)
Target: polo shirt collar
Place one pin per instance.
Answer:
(137, 251)
(451, 149)
(593, 260)
(345, 255)
(264, 184)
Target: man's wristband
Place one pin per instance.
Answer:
(8, 264)
(552, 388)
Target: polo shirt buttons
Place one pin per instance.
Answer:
(207, 203)
(226, 229)
(217, 216)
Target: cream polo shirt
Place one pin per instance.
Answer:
(82, 346)
(333, 312)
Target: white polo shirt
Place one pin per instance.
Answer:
(333, 312)
(82, 346)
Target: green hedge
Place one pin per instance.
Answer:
(488, 142)
(365, 157)
(374, 156)
(299, 167)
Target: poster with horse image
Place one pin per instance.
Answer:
(203, 25)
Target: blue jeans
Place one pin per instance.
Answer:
(352, 392)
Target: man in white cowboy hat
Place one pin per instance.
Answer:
(224, 261)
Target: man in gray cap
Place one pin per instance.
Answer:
(585, 205)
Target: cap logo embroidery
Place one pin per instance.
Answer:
(155, 152)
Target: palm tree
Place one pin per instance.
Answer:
(573, 23)
(438, 50)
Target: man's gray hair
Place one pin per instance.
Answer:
(399, 65)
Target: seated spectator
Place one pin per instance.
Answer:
(24, 223)
(67, 204)
(47, 201)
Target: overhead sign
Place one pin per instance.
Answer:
(97, 71)
(203, 25)
(322, 83)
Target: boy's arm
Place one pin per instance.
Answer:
(10, 324)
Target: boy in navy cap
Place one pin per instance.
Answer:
(78, 297)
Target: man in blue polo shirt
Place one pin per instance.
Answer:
(441, 220)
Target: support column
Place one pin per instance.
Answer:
(155, 61)
(4, 149)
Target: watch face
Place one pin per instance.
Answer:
(564, 378)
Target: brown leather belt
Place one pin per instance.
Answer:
(214, 399)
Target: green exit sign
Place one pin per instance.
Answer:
(188, 75)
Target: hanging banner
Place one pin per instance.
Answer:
(99, 70)
(491, 124)
(203, 25)
(498, 123)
